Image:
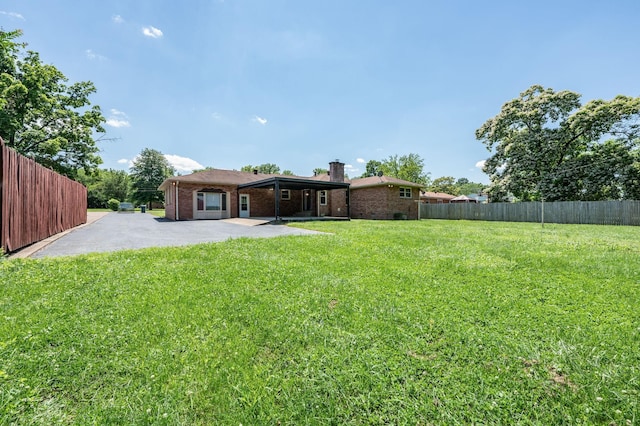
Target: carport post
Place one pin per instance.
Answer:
(277, 200)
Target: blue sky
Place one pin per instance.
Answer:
(226, 83)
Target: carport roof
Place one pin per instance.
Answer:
(252, 180)
(293, 183)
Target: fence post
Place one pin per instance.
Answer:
(2, 209)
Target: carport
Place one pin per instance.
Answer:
(278, 183)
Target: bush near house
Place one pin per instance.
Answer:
(113, 204)
(372, 322)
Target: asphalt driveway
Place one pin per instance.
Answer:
(121, 231)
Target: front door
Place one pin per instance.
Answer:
(244, 205)
(306, 200)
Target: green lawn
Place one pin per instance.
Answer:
(403, 322)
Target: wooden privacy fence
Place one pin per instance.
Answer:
(35, 202)
(580, 212)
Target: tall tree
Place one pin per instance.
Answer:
(320, 171)
(149, 170)
(267, 168)
(408, 167)
(372, 168)
(102, 185)
(466, 187)
(43, 117)
(540, 138)
(446, 184)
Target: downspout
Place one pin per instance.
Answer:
(277, 198)
(177, 211)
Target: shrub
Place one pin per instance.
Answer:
(113, 204)
(399, 216)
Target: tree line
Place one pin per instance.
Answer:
(544, 145)
(547, 145)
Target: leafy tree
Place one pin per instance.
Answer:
(446, 184)
(43, 117)
(287, 172)
(608, 171)
(407, 167)
(103, 185)
(267, 168)
(149, 170)
(465, 186)
(319, 171)
(373, 167)
(543, 138)
(115, 184)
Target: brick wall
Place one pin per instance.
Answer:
(261, 202)
(185, 200)
(338, 202)
(381, 202)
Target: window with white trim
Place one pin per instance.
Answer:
(322, 196)
(211, 201)
(285, 194)
(405, 192)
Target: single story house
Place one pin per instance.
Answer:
(220, 194)
(463, 199)
(428, 197)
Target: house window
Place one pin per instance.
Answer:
(211, 201)
(322, 196)
(285, 194)
(405, 192)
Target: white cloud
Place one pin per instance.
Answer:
(12, 15)
(152, 32)
(350, 170)
(260, 120)
(360, 160)
(118, 119)
(480, 164)
(183, 164)
(117, 19)
(94, 56)
(124, 161)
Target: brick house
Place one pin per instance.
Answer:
(384, 197)
(220, 194)
(428, 197)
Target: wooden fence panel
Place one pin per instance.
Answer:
(579, 212)
(35, 201)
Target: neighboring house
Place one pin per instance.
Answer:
(435, 197)
(480, 198)
(220, 194)
(463, 199)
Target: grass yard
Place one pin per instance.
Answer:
(430, 322)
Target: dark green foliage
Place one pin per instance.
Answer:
(267, 168)
(113, 204)
(149, 170)
(43, 117)
(546, 144)
(103, 185)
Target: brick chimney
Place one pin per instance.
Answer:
(336, 171)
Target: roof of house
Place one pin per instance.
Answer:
(437, 195)
(235, 177)
(464, 199)
(220, 177)
(381, 181)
